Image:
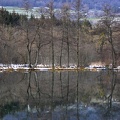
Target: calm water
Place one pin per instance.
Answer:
(64, 95)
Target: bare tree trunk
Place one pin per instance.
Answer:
(61, 48)
(68, 50)
(51, 7)
(38, 44)
(108, 22)
(78, 2)
(66, 22)
(61, 54)
(110, 37)
(28, 48)
(26, 6)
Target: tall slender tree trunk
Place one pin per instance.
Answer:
(28, 48)
(51, 6)
(61, 49)
(78, 2)
(68, 49)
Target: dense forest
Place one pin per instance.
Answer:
(59, 41)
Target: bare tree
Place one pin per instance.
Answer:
(51, 13)
(108, 23)
(66, 27)
(78, 3)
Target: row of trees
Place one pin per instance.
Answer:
(12, 19)
(62, 41)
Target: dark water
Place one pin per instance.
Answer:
(62, 95)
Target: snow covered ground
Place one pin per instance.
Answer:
(41, 67)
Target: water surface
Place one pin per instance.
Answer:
(65, 95)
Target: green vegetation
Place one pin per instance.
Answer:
(12, 19)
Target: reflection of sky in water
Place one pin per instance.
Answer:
(85, 113)
(19, 116)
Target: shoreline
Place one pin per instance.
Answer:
(11, 69)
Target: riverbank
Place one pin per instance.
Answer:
(25, 67)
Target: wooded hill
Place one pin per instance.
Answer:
(90, 4)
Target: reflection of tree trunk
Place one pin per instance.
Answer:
(67, 95)
(52, 95)
(29, 91)
(113, 83)
(52, 90)
(68, 88)
(61, 85)
(78, 118)
(38, 94)
(29, 88)
(29, 85)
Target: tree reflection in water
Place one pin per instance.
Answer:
(110, 96)
(64, 95)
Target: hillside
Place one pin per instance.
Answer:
(90, 4)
